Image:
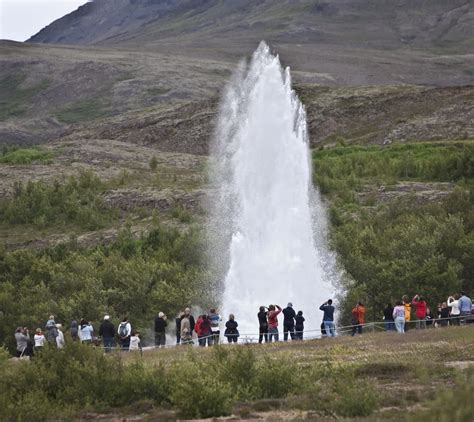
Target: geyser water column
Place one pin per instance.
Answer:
(264, 208)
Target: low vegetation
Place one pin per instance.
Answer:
(372, 377)
(18, 156)
(75, 202)
(14, 97)
(83, 111)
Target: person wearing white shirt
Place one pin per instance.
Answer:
(39, 339)
(86, 332)
(60, 343)
(135, 341)
(453, 303)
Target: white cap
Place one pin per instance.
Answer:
(106, 317)
(161, 315)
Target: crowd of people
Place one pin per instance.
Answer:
(206, 327)
(456, 310)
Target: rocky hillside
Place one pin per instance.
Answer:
(379, 23)
(348, 41)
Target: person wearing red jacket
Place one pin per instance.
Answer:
(420, 311)
(358, 318)
(273, 322)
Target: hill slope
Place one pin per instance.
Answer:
(353, 42)
(381, 24)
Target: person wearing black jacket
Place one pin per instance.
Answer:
(299, 325)
(263, 325)
(388, 318)
(107, 333)
(289, 322)
(231, 331)
(160, 329)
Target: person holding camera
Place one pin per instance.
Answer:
(262, 324)
(24, 346)
(420, 311)
(328, 318)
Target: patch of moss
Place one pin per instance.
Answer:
(13, 98)
(84, 110)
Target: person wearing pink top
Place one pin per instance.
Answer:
(273, 322)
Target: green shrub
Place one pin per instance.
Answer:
(29, 155)
(181, 214)
(76, 201)
(275, 379)
(196, 393)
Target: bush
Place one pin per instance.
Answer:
(196, 393)
(16, 155)
(275, 379)
(77, 201)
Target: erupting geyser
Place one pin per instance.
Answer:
(269, 217)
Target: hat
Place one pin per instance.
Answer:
(290, 305)
(106, 317)
(187, 311)
(58, 325)
(161, 315)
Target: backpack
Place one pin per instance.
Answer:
(123, 329)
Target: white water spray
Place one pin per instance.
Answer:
(269, 219)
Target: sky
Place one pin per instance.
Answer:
(20, 19)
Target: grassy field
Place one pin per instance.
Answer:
(422, 376)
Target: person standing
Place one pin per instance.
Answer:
(231, 331)
(215, 319)
(51, 331)
(178, 327)
(86, 332)
(420, 311)
(107, 333)
(273, 322)
(39, 339)
(465, 307)
(185, 325)
(407, 306)
(125, 331)
(192, 323)
(289, 322)
(399, 317)
(23, 343)
(262, 325)
(299, 325)
(205, 331)
(388, 318)
(453, 303)
(160, 330)
(443, 315)
(197, 330)
(74, 331)
(358, 318)
(328, 318)
(60, 342)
